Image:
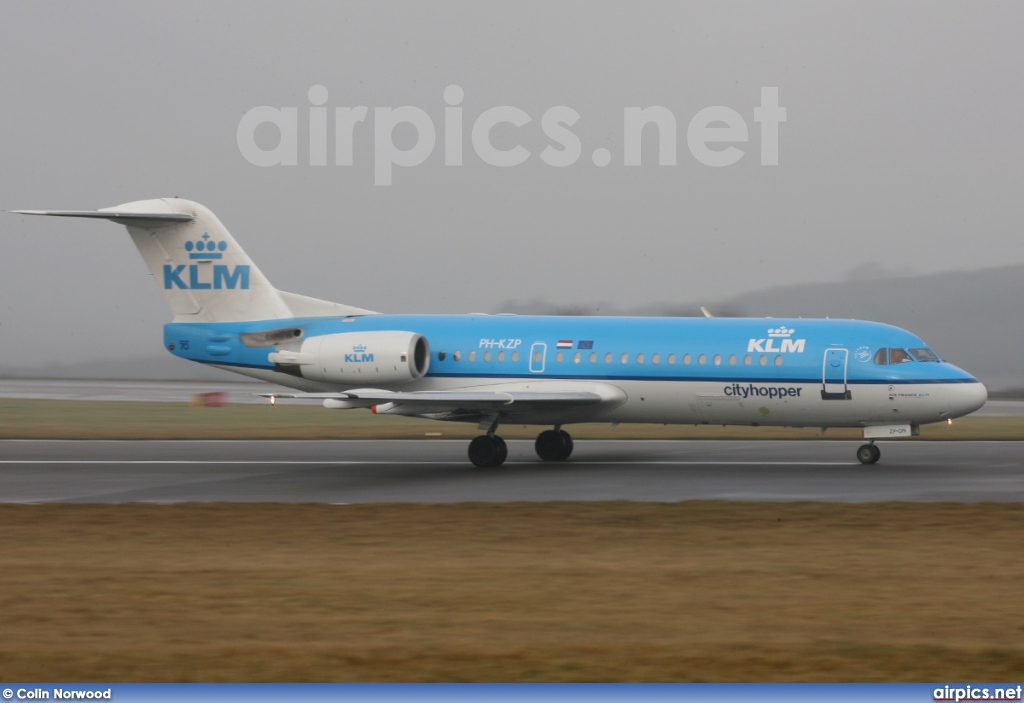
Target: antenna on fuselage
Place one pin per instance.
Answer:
(707, 313)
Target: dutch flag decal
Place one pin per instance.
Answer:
(564, 344)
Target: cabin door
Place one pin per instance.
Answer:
(833, 375)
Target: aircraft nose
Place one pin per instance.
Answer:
(965, 398)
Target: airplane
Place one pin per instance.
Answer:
(534, 370)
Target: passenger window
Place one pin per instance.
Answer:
(686, 359)
(472, 356)
(441, 355)
(763, 360)
(718, 359)
(748, 360)
(559, 357)
(778, 360)
(639, 358)
(593, 357)
(515, 356)
(732, 360)
(576, 358)
(882, 356)
(656, 358)
(501, 356)
(487, 355)
(898, 356)
(701, 359)
(608, 358)
(671, 359)
(456, 355)
(624, 359)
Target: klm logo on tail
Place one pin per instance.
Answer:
(199, 277)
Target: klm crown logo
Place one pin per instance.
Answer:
(199, 277)
(205, 248)
(358, 355)
(781, 332)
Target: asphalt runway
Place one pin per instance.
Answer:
(437, 471)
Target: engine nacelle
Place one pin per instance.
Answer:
(361, 358)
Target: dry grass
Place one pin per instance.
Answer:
(512, 592)
(77, 419)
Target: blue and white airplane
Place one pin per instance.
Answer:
(527, 370)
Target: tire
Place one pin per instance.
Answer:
(487, 451)
(566, 446)
(868, 454)
(553, 445)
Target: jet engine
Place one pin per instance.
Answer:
(359, 358)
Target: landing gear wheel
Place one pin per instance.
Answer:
(553, 445)
(567, 446)
(868, 454)
(485, 451)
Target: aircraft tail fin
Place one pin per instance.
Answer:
(204, 274)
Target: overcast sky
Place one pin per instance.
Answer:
(901, 149)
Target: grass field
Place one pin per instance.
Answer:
(76, 419)
(703, 591)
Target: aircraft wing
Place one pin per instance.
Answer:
(507, 401)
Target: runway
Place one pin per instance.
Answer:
(437, 471)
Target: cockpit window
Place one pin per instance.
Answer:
(882, 356)
(924, 354)
(898, 356)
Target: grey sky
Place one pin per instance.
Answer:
(900, 148)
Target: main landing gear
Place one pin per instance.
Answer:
(868, 453)
(490, 449)
(553, 445)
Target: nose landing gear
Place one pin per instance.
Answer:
(868, 454)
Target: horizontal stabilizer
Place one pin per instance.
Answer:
(115, 215)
